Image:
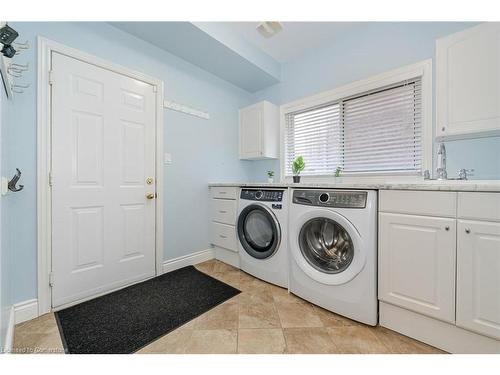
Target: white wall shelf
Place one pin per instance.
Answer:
(185, 109)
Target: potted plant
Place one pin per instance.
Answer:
(270, 176)
(338, 173)
(298, 166)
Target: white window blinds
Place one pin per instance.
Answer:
(375, 132)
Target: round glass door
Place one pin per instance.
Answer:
(258, 232)
(326, 245)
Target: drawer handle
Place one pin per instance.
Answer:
(222, 236)
(223, 212)
(447, 228)
(467, 230)
(222, 192)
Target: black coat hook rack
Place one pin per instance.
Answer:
(12, 183)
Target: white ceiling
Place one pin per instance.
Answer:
(295, 39)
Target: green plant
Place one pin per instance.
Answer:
(338, 172)
(298, 165)
(270, 174)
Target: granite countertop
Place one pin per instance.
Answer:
(449, 185)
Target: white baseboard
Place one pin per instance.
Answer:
(188, 260)
(434, 332)
(9, 336)
(227, 256)
(26, 310)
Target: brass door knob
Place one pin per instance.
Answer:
(150, 195)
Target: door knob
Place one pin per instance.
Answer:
(150, 195)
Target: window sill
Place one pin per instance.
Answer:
(382, 179)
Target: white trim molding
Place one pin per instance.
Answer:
(435, 332)
(24, 311)
(44, 230)
(421, 69)
(188, 260)
(9, 336)
(227, 256)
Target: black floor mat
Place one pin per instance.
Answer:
(128, 319)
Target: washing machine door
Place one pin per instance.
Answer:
(258, 231)
(328, 247)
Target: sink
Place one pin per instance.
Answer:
(461, 182)
(449, 182)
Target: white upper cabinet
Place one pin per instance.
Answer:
(468, 83)
(259, 131)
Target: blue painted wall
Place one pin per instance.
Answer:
(363, 52)
(202, 150)
(5, 250)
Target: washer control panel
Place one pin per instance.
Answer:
(331, 198)
(262, 195)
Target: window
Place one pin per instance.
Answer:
(378, 131)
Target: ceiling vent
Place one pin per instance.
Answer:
(269, 28)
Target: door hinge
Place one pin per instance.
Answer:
(155, 89)
(51, 279)
(51, 77)
(50, 179)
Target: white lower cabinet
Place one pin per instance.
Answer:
(223, 223)
(439, 268)
(478, 277)
(417, 263)
(224, 236)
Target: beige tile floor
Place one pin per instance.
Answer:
(262, 319)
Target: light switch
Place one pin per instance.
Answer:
(168, 158)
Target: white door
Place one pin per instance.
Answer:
(478, 277)
(417, 264)
(468, 81)
(103, 152)
(251, 123)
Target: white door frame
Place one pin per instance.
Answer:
(44, 202)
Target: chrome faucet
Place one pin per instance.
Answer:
(463, 174)
(441, 163)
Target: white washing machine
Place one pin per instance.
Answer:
(262, 239)
(333, 251)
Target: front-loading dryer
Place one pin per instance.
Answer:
(262, 239)
(333, 250)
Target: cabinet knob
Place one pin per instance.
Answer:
(467, 230)
(443, 128)
(447, 228)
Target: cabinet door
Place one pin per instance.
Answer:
(251, 123)
(478, 277)
(468, 82)
(417, 264)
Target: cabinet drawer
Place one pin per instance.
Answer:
(224, 236)
(224, 211)
(224, 192)
(480, 206)
(430, 203)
